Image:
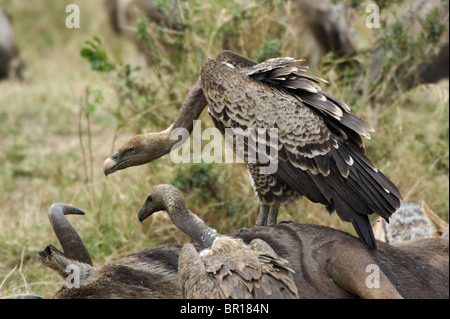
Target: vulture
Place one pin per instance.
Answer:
(227, 267)
(311, 144)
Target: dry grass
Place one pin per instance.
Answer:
(43, 161)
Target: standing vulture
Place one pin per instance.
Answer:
(320, 152)
(227, 268)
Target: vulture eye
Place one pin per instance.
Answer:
(149, 198)
(131, 150)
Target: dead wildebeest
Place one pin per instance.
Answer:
(328, 263)
(150, 273)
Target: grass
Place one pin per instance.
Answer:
(58, 126)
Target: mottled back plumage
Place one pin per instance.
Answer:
(320, 151)
(232, 269)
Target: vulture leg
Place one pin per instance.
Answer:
(267, 215)
(273, 213)
(262, 216)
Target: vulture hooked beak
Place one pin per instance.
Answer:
(115, 162)
(143, 214)
(111, 164)
(149, 208)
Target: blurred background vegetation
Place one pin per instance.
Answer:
(87, 90)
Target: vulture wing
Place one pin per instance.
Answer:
(195, 282)
(253, 271)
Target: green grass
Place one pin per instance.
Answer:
(63, 101)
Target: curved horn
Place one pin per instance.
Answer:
(70, 241)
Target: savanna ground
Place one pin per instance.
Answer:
(59, 124)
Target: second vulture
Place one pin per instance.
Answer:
(309, 137)
(227, 268)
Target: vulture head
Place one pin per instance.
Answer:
(144, 148)
(153, 203)
(165, 197)
(168, 198)
(139, 150)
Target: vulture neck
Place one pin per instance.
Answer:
(174, 204)
(191, 109)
